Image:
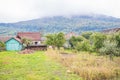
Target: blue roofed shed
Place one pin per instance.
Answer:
(13, 44)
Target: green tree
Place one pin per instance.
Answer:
(87, 34)
(51, 39)
(26, 42)
(83, 46)
(114, 37)
(2, 45)
(97, 40)
(117, 38)
(60, 40)
(110, 48)
(75, 40)
(55, 40)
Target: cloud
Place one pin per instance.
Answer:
(19, 10)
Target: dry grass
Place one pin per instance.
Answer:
(88, 66)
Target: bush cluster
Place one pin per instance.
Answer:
(2, 46)
(104, 44)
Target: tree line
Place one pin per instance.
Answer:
(103, 44)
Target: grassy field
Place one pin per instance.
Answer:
(87, 65)
(51, 65)
(36, 66)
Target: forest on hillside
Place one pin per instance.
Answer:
(77, 24)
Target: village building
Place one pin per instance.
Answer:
(16, 43)
(13, 44)
(34, 37)
(67, 37)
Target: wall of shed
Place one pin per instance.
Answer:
(13, 45)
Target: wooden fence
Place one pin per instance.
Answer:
(37, 47)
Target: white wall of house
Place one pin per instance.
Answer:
(36, 42)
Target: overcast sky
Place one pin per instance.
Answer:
(21, 10)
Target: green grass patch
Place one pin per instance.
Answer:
(72, 51)
(36, 66)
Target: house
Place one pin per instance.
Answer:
(34, 37)
(3, 39)
(69, 35)
(13, 44)
(16, 43)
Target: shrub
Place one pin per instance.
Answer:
(88, 66)
(55, 40)
(117, 38)
(87, 34)
(75, 40)
(97, 40)
(110, 48)
(83, 46)
(2, 45)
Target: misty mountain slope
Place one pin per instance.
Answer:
(56, 24)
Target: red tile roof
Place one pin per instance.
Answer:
(34, 36)
(17, 39)
(69, 35)
(4, 39)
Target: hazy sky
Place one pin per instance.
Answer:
(19, 10)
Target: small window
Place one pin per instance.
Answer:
(36, 42)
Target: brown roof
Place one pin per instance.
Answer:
(17, 39)
(4, 39)
(69, 35)
(34, 36)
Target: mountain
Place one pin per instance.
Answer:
(76, 23)
(111, 31)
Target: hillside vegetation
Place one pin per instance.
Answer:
(56, 24)
(87, 65)
(91, 55)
